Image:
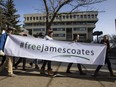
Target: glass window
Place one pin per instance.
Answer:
(85, 16)
(70, 16)
(82, 29)
(82, 37)
(79, 29)
(56, 17)
(50, 17)
(28, 24)
(60, 17)
(69, 23)
(88, 16)
(67, 16)
(27, 18)
(30, 18)
(96, 15)
(33, 18)
(63, 16)
(42, 29)
(78, 16)
(58, 29)
(59, 35)
(92, 16)
(40, 18)
(37, 29)
(54, 29)
(36, 18)
(81, 16)
(74, 16)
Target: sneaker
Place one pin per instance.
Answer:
(112, 75)
(94, 75)
(68, 72)
(11, 75)
(50, 73)
(2, 53)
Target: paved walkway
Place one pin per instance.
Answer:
(32, 78)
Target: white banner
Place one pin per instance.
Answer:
(62, 51)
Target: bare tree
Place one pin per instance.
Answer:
(52, 7)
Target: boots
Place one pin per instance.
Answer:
(42, 71)
(50, 73)
(112, 75)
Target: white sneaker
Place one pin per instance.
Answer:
(11, 75)
(2, 53)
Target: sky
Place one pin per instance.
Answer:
(106, 15)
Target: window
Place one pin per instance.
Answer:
(56, 17)
(92, 16)
(44, 17)
(85, 16)
(50, 17)
(40, 18)
(69, 23)
(59, 35)
(70, 16)
(96, 15)
(54, 29)
(67, 16)
(36, 18)
(81, 16)
(37, 29)
(60, 17)
(82, 29)
(79, 29)
(27, 18)
(88, 16)
(78, 16)
(63, 16)
(30, 18)
(58, 29)
(74, 16)
(82, 37)
(33, 18)
(28, 24)
(42, 29)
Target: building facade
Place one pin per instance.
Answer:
(65, 25)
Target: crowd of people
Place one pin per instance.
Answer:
(10, 64)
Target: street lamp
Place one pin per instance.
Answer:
(97, 33)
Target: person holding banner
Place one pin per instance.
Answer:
(21, 60)
(2, 42)
(107, 61)
(76, 38)
(49, 70)
(9, 59)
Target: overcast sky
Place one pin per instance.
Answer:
(106, 21)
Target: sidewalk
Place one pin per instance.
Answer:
(32, 78)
